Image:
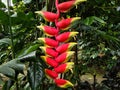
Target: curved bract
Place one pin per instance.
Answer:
(49, 61)
(64, 67)
(66, 6)
(65, 24)
(66, 36)
(48, 16)
(49, 31)
(51, 74)
(65, 47)
(63, 83)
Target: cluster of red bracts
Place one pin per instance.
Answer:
(57, 49)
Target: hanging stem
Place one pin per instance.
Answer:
(10, 29)
(58, 12)
(46, 5)
(46, 10)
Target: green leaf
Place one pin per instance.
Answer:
(35, 75)
(3, 18)
(27, 1)
(5, 41)
(107, 36)
(27, 50)
(2, 5)
(16, 64)
(8, 84)
(99, 20)
(88, 21)
(92, 19)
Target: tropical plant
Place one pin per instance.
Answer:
(97, 48)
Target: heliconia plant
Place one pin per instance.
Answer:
(57, 46)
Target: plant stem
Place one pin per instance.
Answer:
(11, 37)
(76, 55)
(76, 63)
(34, 67)
(46, 10)
(94, 82)
(10, 30)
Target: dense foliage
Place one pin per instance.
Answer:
(98, 48)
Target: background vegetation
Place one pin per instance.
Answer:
(98, 48)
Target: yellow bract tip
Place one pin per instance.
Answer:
(40, 27)
(43, 48)
(75, 18)
(70, 53)
(41, 39)
(72, 34)
(38, 12)
(79, 1)
(70, 65)
(43, 57)
(67, 84)
(73, 43)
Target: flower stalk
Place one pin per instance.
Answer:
(57, 46)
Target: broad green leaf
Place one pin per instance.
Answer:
(5, 41)
(35, 75)
(16, 64)
(28, 50)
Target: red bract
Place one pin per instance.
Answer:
(66, 6)
(51, 74)
(63, 83)
(65, 47)
(64, 57)
(65, 24)
(49, 42)
(64, 67)
(64, 37)
(49, 51)
(50, 31)
(48, 16)
(50, 61)
(61, 68)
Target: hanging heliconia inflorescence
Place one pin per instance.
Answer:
(56, 45)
